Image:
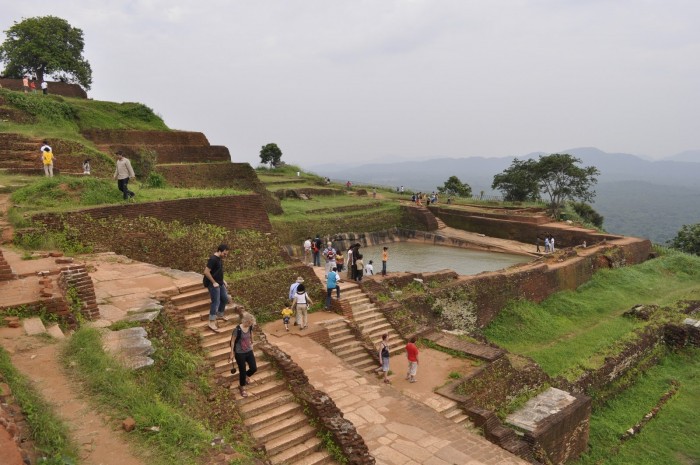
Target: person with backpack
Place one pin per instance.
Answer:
(214, 281)
(329, 256)
(242, 351)
(316, 250)
(384, 357)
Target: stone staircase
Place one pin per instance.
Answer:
(20, 154)
(271, 413)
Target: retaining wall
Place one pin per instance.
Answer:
(55, 87)
(146, 138)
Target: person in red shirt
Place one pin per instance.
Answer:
(412, 354)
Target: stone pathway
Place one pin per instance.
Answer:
(398, 429)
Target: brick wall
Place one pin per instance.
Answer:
(6, 273)
(322, 408)
(231, 212)
(55, 87)
(172, 153)
(146, 138)
(77, 277)
(517, 229)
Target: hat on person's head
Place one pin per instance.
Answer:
(300, 279)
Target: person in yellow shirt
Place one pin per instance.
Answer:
(286, 315)
(385, 258)
(47, 159)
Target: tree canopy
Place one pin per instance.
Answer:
(687, 239)
(453, 186)
(271, 154)
(557, 176)
(46, 46)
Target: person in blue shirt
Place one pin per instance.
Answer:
(332, 280)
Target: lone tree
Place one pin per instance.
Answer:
(556, 175)
(46, 46)
(453, 186)
(271, 154)
(687, 239)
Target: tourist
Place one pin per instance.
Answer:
(374, 193)
(47, 157)
(369, 268)
(538, 239)
(551, 243)
(215, 283)
(339, 260)
(307, 250)
(242, 350)
(25, 84)
(352, 262)
(412, 355)
(301, 305)
(316, 245)
(32, 86)
(384, 357)
(86, 166)
(385, 258)
(44, 87)
(359, 268)
(546, 244)
(402, 189)
(332, 279)
(329, 256)
(122, 173)
(350, 267)
(286, 314)
(293, 287)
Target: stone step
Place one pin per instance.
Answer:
(191, 296)
(278, 413)
(225, 327)
(356, 300)
(196, 306)
(338, 341)
(369, 309)
(375, 326)
(338, 331)
(358, 357)
(196, 286)
(263, 387)
(296, 453)
(317, 458)
(222, 354)
(369, 317)
(260, 378)
(223, 366)
(277, 429)
(252, 406)
(216, 342)
(357, 349)
(345, 345)
(288, 441)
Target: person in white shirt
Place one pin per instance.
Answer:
(369, 268)
(122, 174)
(307, 250)
(44, 87)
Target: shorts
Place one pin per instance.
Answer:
(412, 368)
(285, 320)
(385, 364)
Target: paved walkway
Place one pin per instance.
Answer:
(398, 428)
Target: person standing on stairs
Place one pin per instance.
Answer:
(332, 279)
(384, 357)
(215, 283)
(242, 351)
(47, 159)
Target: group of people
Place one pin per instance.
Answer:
(48, 157)
(421, 197)
(29, 85)
(336, 261)
(548, 243)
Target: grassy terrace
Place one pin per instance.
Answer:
(574, 330)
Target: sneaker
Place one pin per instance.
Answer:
(222, 317)
(213, 327)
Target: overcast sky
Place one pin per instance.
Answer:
(360, 80)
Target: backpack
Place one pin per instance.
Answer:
(314, 247)
(330, 255)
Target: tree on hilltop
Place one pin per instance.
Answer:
(46, 46)
(453, 186)
(556, 175)
(271, 154)
(687, 239)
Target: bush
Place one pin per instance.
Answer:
(155, 180)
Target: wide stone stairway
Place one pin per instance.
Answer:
(271, 413)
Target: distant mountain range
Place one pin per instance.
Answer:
(637, 196)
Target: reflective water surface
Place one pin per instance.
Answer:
(416, 257)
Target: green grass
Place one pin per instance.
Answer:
(50, 434)
(63, 193)
(295, 210)
(171, 395)
(670, 438)
(571, 331)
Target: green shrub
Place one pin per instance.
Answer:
(38, 105)
(155, 180)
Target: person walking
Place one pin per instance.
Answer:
(242, 351)
(307, 250)
(215, 283)
(47, 157)
(385, 258)
(332, 279)
(301, 305)
(122, 173)
(384, 357)
(293, 287)
(44, 87)
(412, 355)
(316, 245)
(329, 256)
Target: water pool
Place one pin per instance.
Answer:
(416, 257)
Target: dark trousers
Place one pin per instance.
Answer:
(241, 360)
(123, 185)
(383, 267)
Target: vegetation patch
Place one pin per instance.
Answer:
(50, 435)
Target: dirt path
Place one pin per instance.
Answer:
(100, 443)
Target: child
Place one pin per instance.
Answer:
(286, 314)
(369, 269)
(339, 261)
(359, 268)
(385, 258)
(86, 166)
(412, 354)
